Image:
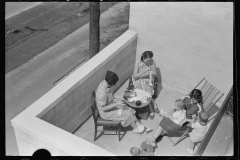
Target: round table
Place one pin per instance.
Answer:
(142, 111)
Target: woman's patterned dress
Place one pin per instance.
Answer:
(105, 97)
(143, 82)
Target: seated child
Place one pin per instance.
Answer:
(200, 128)
(178, 114)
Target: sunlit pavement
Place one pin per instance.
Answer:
(111, 143)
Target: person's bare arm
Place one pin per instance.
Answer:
(185, 120)
(153, 68)
(111, 106)
(136, 74)
(167, 116)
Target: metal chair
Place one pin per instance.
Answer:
(98, 121)
(211, 95)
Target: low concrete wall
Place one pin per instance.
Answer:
(48, 121)
(75, 107)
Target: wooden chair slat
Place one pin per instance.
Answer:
(210, 98)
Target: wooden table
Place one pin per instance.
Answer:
(142, 111)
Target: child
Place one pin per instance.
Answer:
(200, 128)
(178, 114)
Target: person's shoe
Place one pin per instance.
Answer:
(141, 129)
(161, 113)
(156, 108)
(136, 130)
(152, 115)
(196, 147)
(146, 130)
(159, 138)
(190, 151)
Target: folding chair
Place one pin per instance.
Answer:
(211, 95)
(98, 121)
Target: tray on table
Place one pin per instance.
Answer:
(133, 104)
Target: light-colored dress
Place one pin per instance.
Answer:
(143, 82)
(172, 125)
(198, 132)
(104, 97)
(178, 116)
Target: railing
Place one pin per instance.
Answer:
(214, 125)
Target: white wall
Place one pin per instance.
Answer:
(190, 40)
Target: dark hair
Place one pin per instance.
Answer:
(203, 116)
(181, 104)
(197, 95)
(146, 54)
(111, 78)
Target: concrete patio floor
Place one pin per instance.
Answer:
(111, 143)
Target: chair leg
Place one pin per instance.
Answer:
(95, 134)
(182, 137)
(171, 140)
(119, 130)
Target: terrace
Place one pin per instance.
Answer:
(220, 143)
(50, 122)
(61, 121)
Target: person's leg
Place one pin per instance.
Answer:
(158, 132)
(151, 109)
(138, 123)
(138, 127)
(192, 145)
(134, 125)
(191, 149)
(158, 135)
(151, 106)
(142, 128)
(155, 107)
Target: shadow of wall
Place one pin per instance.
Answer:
(158, 83)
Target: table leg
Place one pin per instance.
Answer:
(142, 113)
